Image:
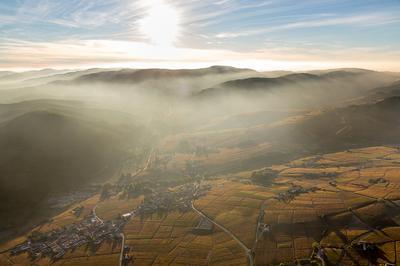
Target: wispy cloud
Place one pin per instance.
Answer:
(75, 13)
(359, 20)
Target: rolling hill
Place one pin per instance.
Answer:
(298, 90)
(368, 79)
(57, 146)
(94, 83)
(244, 142)
(141, 75)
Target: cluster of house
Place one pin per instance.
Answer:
(55, 243)
(126, 257)
(164, 201)
(262, 228)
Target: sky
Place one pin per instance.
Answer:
(258, 34)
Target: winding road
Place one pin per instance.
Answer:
(121, 234)
(95, 215)
(248, 251)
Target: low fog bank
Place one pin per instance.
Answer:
(168, 102)
(186, 99)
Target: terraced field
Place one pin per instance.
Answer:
(347, 200)
(236, 206)
(347, 209)
(169, 240)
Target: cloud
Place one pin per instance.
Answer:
(359, 20)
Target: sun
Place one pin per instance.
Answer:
(161, 23)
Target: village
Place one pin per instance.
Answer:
(54, 244)
(93, 231)
(164, 201)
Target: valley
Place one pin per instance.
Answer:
(252, 179)
(199, 133)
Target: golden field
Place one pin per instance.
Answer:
(348, 198)
(169, 240)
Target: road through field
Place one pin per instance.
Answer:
(248, 251)
(148, 162)
(122, 249)
(95, 215)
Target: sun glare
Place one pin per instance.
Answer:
(160, 24)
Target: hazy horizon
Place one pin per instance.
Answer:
(188, 67)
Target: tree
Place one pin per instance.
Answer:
(105, 191)
(263, 177)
